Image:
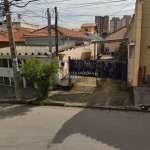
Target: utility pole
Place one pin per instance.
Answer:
(17, 81)
(49, 30)
(56, 30)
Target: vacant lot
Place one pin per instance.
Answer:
(108, 92)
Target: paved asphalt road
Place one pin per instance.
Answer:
(57, 128)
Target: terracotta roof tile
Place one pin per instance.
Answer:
(41, 32)
(76, 29)
(72, 33)
(18, 33)
(89, 25)
(61, 31)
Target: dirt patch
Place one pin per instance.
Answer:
(108, 93)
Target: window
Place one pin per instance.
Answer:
(10, 63)
(60, 58)
(86, 29)
(6, 81)
(1, 80)
(19, 62)
(1, 63)
(4, 63)
(12, 81)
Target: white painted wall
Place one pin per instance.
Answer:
(44, 41)
(70, 42)
(131, 58)
(8, 72)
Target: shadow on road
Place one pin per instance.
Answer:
(10, 111)
(117, 129)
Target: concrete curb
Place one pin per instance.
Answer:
(128, 108)
(12, 101)
(77, 105)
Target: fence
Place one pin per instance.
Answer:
(99, 68)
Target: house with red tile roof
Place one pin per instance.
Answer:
(90, 27)
(17, 32)
(65, 37)
(37, 45)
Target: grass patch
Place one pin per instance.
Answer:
(116, 81)
(42, 101)
(122, 85)
(46, 101)
(101, 82)
(80, 79)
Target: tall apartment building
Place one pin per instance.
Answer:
(126, 20)
(115, 24)
(102, 23)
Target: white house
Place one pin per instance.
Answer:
(23, 52)
(65, 37)
(37, 46)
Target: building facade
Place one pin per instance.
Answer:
(90, 27)
(65, 37)
(27, 26)
(102, 23)
(139, 46)
(115, 24)
(125, 21)
(118, 34)
(23, 52)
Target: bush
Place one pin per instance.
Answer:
(46, 101)
(121, 52)
(40, 73)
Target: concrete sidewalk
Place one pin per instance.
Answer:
(8, 92)
(141, 96)
(79, 97)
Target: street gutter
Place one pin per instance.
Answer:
(77, 105)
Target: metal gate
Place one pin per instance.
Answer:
(99, 68)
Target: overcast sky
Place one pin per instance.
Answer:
(72, 13)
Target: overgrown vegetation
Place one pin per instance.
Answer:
(122, 85)
(40, 73)
(121, 52)
(46, 101)
(101, 82)
(80, 79)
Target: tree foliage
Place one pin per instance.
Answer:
(2, 10)
(121, 52)
(40, 73)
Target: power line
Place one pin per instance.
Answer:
(65, 24)
(94, 3)
(122, 8)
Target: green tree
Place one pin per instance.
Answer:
(121, 52)
(40, 73)
(108, 32)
